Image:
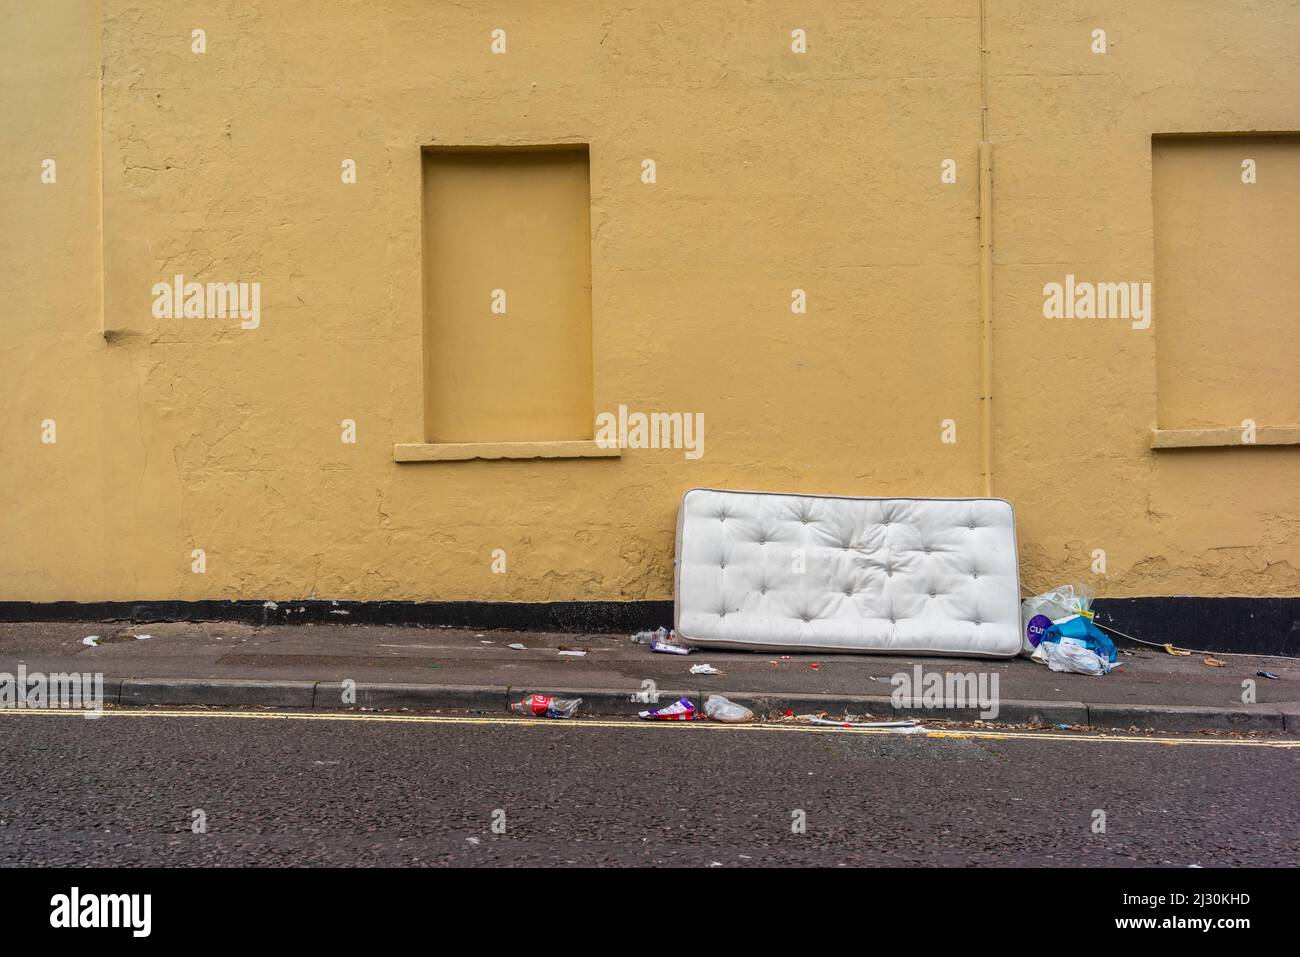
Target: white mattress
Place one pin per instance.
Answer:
(933, 576)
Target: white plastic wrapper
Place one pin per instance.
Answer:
(721, 709)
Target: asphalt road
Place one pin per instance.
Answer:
(123, 789)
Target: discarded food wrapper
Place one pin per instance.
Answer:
(540, 704)
(91, 640)
(680, 710)
(704, 670)
(721, 709)
(518, 647)
(670, 646)
(1177, 652)
(1213, 662)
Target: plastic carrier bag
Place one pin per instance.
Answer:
(1063, 656)
(1039, 612)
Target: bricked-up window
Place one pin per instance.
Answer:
(507, 295)
(1227, 279)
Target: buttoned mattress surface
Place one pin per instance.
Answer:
(778, 572)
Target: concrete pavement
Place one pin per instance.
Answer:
(222, 663)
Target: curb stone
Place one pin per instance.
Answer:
(281, 694)
(1184, 718)
(327, 696)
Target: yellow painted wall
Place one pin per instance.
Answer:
(774, 171)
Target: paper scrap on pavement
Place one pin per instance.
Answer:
(908, 723)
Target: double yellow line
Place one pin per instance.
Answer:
(661, 726)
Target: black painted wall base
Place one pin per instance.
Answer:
(1262, 626)
(574, 616)
(1268, 626)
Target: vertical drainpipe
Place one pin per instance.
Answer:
(986, 272)
(99, 105)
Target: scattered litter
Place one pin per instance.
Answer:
(91, 641)
(680, 710)
(785, 657)
(647, 637)
(540, 704)
(572, 654)
(788, 713)
(720, 709)
(1065, 655)
(1178, 652)
(817, 719)
(478, 636)
(1040, 612)
(270, 605)
(670, 646)
(814, 665)
(487, 642)
(663, 640)
(471, 840)
(1268, 674)
(1063, 727)
(1213, 662)
(1058, 630)
(518, 647)
(143, 637)
(704, 670)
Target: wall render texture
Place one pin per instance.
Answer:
(775, 171)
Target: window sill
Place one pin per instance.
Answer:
(1223, 437)
(467, 451)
